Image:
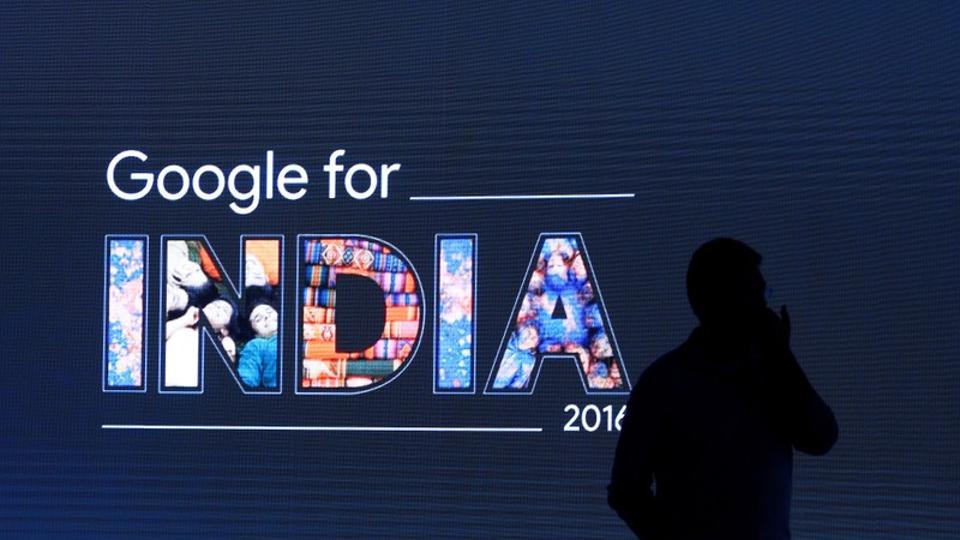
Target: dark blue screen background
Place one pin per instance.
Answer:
(825, 137)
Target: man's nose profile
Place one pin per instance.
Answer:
(706, 449)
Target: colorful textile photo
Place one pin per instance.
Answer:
(324, 258)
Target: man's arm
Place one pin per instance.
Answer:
(629, 492)
(810, 424)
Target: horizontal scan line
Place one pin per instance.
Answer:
(468, 429)
(522, 197)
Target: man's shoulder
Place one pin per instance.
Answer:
(667, 364)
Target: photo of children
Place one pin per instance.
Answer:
(245, 331)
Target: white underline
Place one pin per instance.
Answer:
(522, 197)
(323, 428)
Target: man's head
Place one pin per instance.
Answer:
(725, 286)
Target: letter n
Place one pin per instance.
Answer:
(244, 325)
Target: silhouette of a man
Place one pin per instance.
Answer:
(706, 449)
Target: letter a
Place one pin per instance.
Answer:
(559, 313)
